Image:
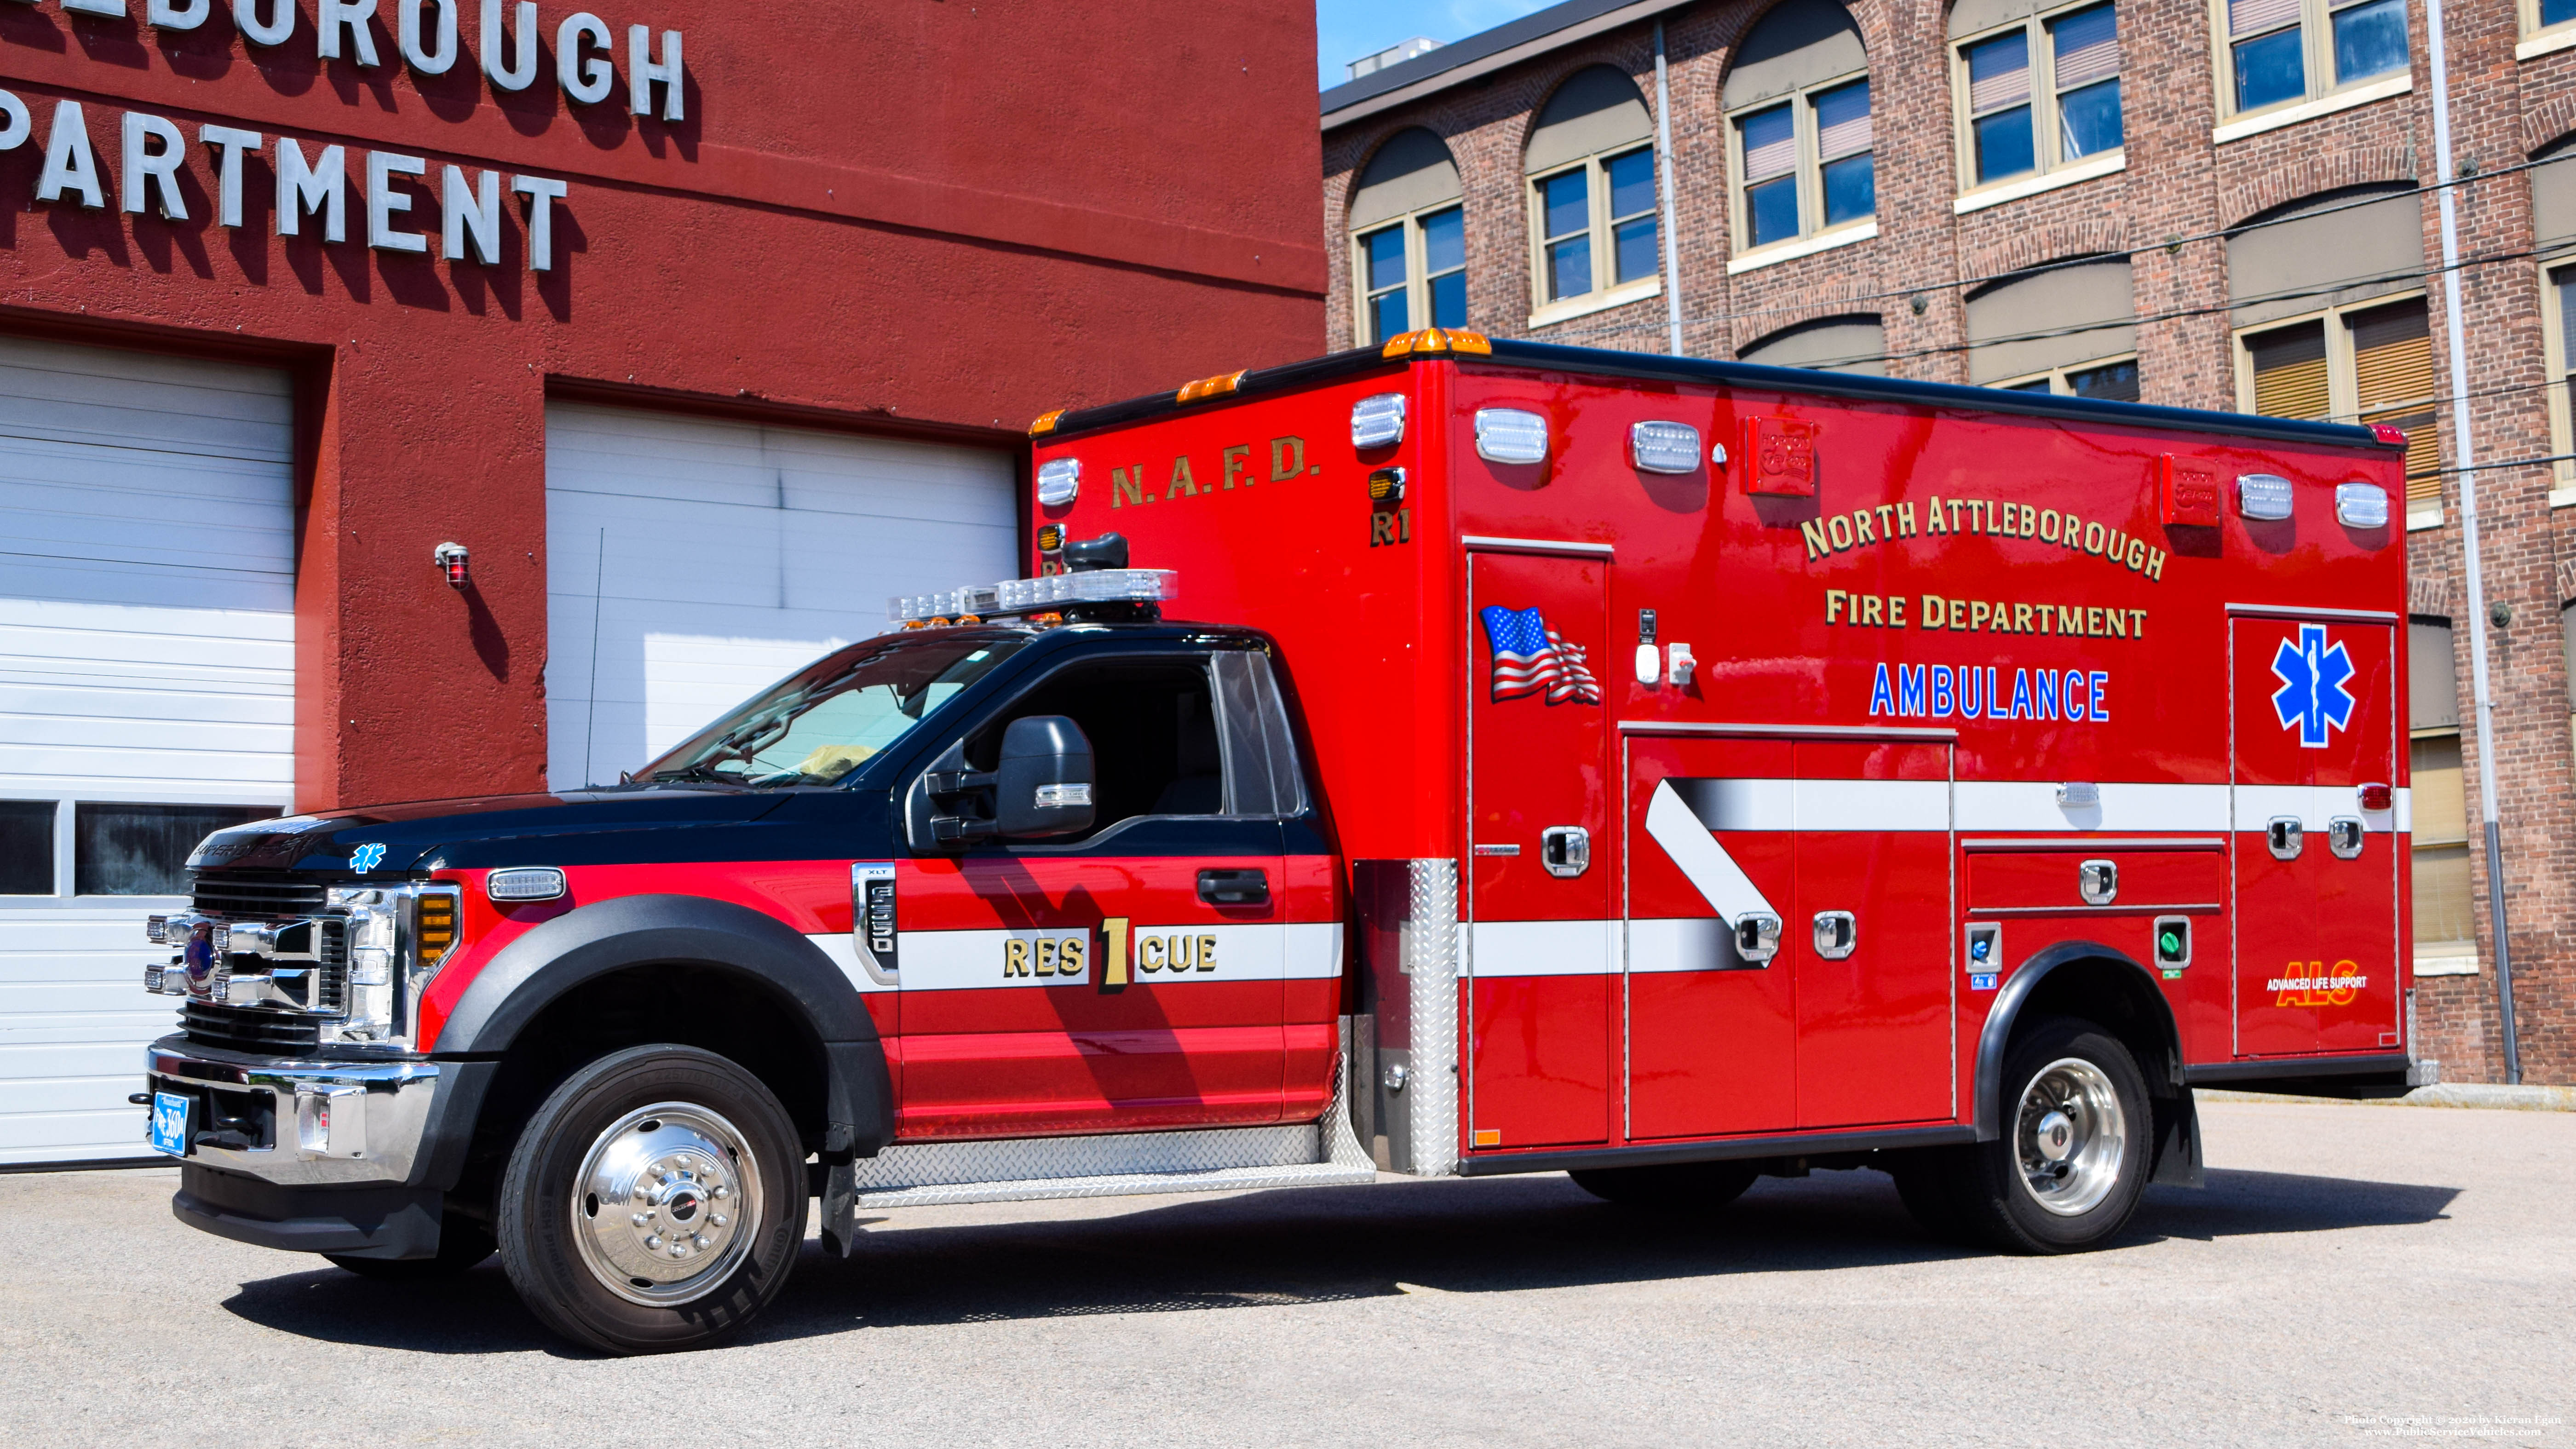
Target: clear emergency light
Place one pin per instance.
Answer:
(2361, 505)
(1036, 596)
(1059, 479)
(1509, 435)
(1378, 420)
(1656, 447)
(2263, 496)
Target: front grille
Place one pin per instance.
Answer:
(331, 965)
(241, 1029)
(261, 894)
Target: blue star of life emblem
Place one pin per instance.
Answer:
(368, 857)
(2312, 698)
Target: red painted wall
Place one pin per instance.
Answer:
(914, 216)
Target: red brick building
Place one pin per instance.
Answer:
(700, 328)
(2206, 203)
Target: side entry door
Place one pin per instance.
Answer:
(1128, 978)
(2315, 712)
(1541, 948)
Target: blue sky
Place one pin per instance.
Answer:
(1348, 29)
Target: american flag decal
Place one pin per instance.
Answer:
(1530, 657)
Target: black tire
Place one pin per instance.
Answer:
(561, 1254)
(462, 1247)
(1995, 1189)
(1669, 1187)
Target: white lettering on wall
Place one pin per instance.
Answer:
(69, 166)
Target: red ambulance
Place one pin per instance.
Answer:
(1461, 757)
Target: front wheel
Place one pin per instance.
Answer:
(654, 1202)
(2072, 1161)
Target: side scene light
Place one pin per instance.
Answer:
(523, 883)
(1377, 421)
(2264, 497)
(1059, 479)
(2361, 505)
(1509, 435)
(1664, 447)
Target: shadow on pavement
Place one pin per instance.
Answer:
(1318, 1245)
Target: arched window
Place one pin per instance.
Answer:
(2328, 296)
(1797, 104)
(1591, 165)
(2037, 86)
(2065, 329)
(1408, 239)
(1833, 344)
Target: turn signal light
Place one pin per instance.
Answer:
(434, 927)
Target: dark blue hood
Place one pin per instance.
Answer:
(675, 822)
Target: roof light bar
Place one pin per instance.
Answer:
(1036, 596)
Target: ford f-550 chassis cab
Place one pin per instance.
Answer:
(1663, 771)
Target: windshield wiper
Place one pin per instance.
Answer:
(695, 772)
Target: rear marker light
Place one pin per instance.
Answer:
(2393, 437)
(2361, 505)
(2375, 798)
(1377, 421)
(1208, 387)
(1509, 435)
(526, 883)
(1664, 447)
(2264, 497)
(1059, 479)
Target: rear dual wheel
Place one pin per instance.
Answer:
(656, 1201)
(2068, 1169)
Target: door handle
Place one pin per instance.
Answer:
(1566, 850)
(1234, 887)
(2286, 835)
(2343, 836)
(1837, 934)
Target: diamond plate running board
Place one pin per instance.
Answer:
(1125, 1184)
(1323, 1153)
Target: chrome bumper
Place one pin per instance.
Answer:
(332, 1124)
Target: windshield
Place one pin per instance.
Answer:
(828, 720)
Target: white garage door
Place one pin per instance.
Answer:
(692, 563)
(147, 695)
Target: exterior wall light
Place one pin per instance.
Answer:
(450, 558)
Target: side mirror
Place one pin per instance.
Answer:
(1042, 784)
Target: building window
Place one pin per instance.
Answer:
(2559, 306)
(1415, 268)
(27, 847)
(1798, 119)
(2445, 907)
(2115, 380)
(1806, 165)
(142, 850)
(2363, 364)
(2069, 328)
(2280, 51)
(1594, 236)
(1408, 240)
(2040, 95)
(2540, 15)
(1597, 226)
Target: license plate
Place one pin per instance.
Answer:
(170, 1123)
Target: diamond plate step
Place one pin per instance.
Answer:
(1125, 1184)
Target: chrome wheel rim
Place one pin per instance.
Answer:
(2071, 1136)
(666, 1204)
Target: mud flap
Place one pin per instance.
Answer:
(2177, 1136)
(840, 1209)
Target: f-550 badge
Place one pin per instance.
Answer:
(2312, 698)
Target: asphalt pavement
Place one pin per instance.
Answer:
(2351, 1276)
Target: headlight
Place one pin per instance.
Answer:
(395, 939)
